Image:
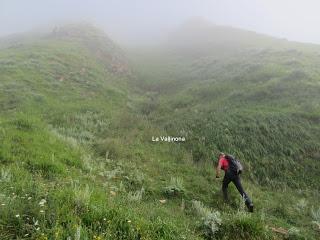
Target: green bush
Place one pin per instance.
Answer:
(244, 226)
(24, 124)
(294, 234)
(175, 187)
(210, 220)
(109, 148)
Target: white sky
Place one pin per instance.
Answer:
(150, 20)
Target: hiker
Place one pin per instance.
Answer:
(232, 169)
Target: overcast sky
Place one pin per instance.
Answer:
(149, 20)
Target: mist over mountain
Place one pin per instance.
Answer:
(79, 113)
(97, 42)
(202, 37)
(145, 21)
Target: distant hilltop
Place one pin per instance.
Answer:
(200, 37)
(97, 42)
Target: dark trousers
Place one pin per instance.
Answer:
(235, 178)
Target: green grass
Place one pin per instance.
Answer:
(76, 155)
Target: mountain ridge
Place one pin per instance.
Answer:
(202, 37)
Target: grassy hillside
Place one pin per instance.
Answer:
(261, 105)
(257, 106)
(77, 160)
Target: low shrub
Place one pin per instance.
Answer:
(111, 148)
(294, 234)
(136, 196)
(175, 187)
(210, 220)
(243, 225)
(24, 124)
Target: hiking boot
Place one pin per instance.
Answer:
(250, 207)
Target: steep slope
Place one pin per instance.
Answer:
(267, 89)
(97, 43)
(76, 155)
(51, 67)
(73, 155)
(260, 108)
(259, 102)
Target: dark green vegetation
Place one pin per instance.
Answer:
(76, 124)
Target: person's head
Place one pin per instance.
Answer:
(221, 155)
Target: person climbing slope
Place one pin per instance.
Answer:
(232, 168)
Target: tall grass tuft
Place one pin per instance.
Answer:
(82, 195)
(175, 187)
(5, 175)
(210, 220)
(136, 196)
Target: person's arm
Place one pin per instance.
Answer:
(218, 169)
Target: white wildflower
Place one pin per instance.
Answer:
(42, 202)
